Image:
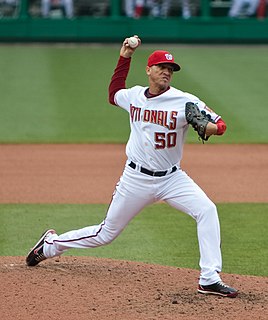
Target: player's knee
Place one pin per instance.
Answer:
(212, 208)
(108, 239)
(108, 236)
(208, 211)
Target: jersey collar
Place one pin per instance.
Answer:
(149, 95)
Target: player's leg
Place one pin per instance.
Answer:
(130, 197)
(182, 193)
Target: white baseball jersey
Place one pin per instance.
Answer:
(158, 125)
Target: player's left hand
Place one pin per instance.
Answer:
(200, 121)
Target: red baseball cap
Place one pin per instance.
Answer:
(161, 56)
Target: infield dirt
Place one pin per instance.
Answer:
(90, 288)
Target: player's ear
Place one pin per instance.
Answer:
(148, 70)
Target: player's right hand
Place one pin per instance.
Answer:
(126, 51)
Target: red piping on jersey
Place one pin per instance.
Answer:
(119, 77)
(221, 127)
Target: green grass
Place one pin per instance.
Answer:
(159, 235)
(59, 93)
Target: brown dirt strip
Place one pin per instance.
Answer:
(88, 173)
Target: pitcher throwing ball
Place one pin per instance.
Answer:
(159, 117)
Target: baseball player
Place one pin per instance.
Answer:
(159, 117)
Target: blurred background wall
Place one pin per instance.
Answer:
(172, 21)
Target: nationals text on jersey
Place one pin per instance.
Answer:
(159, 117)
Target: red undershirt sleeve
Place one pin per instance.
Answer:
(119, 77)
(221, 127)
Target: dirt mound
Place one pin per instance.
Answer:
(89, 288)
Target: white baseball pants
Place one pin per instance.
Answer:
(136, 190)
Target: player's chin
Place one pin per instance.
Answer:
(164, 85)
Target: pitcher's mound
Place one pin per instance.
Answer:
(84, 288)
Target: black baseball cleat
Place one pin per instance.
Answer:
(36, 254)
(218, 288)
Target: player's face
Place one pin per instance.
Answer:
(160, 76)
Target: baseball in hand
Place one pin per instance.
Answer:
(133, 42)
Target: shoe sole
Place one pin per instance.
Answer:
(229, 295)
(37, 245)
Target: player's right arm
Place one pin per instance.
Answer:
(119, 77)
(126, 51)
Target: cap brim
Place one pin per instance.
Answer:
(175, 66)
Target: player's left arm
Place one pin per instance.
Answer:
(203, 119)
(216, 125)
(217, 128)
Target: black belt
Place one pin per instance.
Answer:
(152, 173)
